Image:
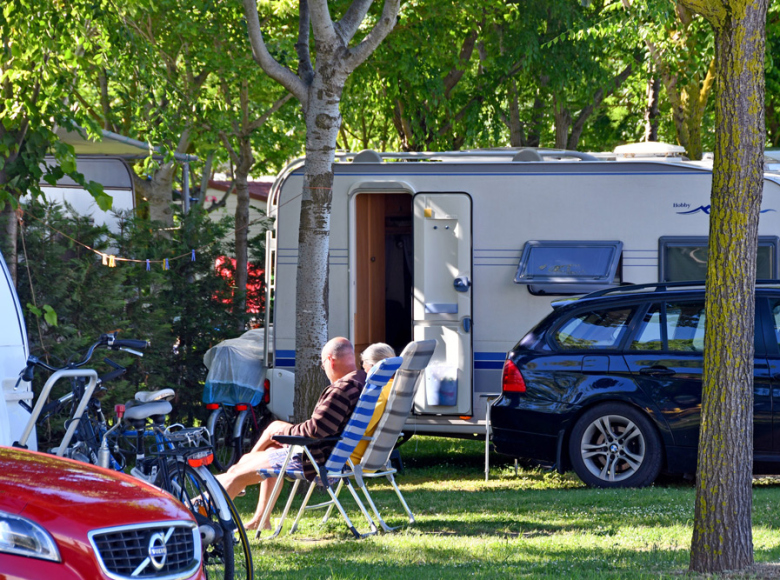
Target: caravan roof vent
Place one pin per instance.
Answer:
(367, 156)
(527, 155)
(649, 149)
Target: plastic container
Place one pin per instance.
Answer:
(441, 385)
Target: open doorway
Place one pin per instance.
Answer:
(384, 256)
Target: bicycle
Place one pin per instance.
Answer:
(177, 462)
(234, 430)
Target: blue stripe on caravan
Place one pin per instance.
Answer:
(490, 356)
(285, 358)
(488, 365)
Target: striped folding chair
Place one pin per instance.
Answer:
(376, 459)
(334, 467)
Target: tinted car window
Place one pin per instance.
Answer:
(649, 335)
(776, 319)
(685, 326)
(596, 329)
(679, 329)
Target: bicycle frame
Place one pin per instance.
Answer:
(89, 374)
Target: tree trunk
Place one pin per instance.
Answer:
(516, 133)
(160, 195)
(651, 112)
(246, 159)
(323, 121)
(10, 234)
(722, 535)
(562, 125)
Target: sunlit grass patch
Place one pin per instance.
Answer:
(535, 524)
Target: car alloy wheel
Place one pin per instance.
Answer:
(615, 445)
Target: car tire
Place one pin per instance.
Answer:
(615, 445)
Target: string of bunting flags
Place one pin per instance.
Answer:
(111, 260)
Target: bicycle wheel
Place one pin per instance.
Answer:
(247, 432)
(189, 487)
(221, 430)
(242, 555)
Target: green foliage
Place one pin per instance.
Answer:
(182, 311)
(42, 46)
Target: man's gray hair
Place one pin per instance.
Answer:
(376, 352)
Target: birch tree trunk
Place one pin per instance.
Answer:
(319, 92)
(722, 534)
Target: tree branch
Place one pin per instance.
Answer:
(281, 74)
(457, 72)
(358, 55)
(350, 22)
(275, 107)
(321, 22)
(231, 152)
(305, 70)
(713, 11)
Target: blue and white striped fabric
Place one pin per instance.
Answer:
(416, 357)
(377, 378)
(356, 427)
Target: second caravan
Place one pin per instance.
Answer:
(470, 248)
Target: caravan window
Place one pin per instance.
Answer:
(568, 267)
(683, 259)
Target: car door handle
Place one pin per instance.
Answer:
(657, 371)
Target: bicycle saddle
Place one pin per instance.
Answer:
(151, 396)
(146, 410)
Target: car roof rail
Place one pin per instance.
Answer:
(664, 286)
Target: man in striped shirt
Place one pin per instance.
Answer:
(329, 418)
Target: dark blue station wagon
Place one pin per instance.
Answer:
(610, 385)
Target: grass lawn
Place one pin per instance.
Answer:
(532, 525)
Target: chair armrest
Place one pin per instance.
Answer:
(296, 440)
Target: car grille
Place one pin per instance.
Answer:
(125, 551)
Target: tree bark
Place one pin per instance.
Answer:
(651, 112)
(10, 234)
(244, 166)
(722, 534)
(319, 91)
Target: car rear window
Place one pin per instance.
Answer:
(597, 329)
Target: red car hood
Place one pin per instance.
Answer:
(59, 492)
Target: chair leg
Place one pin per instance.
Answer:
(331, 504)
(303, 507)
(344, 515)
(371, 503)
(409, 514)
(363, 509)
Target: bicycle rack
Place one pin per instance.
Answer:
(90, 374)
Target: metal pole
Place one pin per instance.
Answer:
(185, 195)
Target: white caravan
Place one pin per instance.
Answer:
(470, 248)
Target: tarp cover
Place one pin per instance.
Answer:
(236, 370)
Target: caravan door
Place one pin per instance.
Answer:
(442, 300)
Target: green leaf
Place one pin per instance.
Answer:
(34, 310)
(50, 315)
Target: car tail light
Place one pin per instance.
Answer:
(266, 391)
(212, 406)
(242, 407)
(511, 379)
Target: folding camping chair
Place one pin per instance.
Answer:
(376, 459)
(347, 441)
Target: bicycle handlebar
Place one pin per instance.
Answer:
(129, 343)
(107, 340)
